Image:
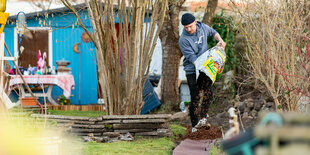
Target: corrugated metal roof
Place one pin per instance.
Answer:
(43, 13)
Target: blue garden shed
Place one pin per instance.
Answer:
(56, 32)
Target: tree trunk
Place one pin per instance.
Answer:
(209, 12)
(171, 55)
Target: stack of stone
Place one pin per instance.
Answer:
(114, 125)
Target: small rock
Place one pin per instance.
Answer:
(264, 108)
(227, 79)
(270, 104)
(127, 137)
(111, 140)
(258, 105)
(164, 132)
(245, 115)
(250, 105)
(272, 109)
(253, 113)
(86, 139)
(241, 106)
(179, 116)
(247, 109)
(101, 139)
(262, 100)
(221, 115)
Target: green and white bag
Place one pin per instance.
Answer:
(211, 62)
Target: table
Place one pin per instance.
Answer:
(64, 81)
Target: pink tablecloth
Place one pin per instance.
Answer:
(65, 82)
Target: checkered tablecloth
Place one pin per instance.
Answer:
(65, 82)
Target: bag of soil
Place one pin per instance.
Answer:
(211, 62)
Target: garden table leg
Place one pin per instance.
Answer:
(49, 95)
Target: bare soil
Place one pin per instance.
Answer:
(202, 133)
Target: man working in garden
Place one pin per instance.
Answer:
(193, 43)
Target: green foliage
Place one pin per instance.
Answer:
(62, 100)
(215, 150)
(177, 130)
(186, 103)
(224, 26)
(108, 126)
(77, 113)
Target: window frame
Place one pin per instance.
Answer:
(50, 42)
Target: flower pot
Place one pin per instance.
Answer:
(28, 101)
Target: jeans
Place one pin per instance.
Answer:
(201, 96)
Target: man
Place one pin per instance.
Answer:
(193, 43)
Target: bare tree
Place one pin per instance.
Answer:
(277, 35)
(123, 59)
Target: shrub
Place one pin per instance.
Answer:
(62, 100)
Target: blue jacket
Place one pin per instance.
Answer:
(193, 45)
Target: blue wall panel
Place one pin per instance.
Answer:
(63, 41)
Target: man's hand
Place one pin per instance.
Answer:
(221, 43)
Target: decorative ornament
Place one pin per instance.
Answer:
(76, 48)
(85, 37)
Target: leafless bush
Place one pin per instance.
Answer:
(277, 35)
(124, 56)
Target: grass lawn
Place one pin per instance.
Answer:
(142, 146)
(161, 146)
(77, 113)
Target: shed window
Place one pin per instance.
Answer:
(34, 40)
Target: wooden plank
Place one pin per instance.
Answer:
(89, 126)
(77, 107)
(61, 117)
(80, 130)
(284, 133)
(153, 133)
(5, 99)
(133, 130)
(139, 126)
(152, 116)
(8, 58)
(291, 117)
(95, 119)
(109, 121)
(84, 122)
(61, 121)
(296, 117)
(86, 134)
(111, 134)
(145, 121)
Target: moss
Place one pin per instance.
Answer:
(177, 130)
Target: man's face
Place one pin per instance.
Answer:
(191, 28)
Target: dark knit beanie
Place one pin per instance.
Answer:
(187, 18)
